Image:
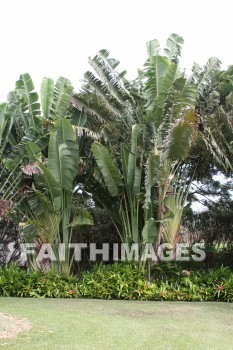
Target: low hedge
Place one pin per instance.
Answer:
(121, 281)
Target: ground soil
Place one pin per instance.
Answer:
(11, 326)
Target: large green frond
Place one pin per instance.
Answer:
(28, 98)
(46, 96)
(63, 154)
(173, 49)
(107, 167)
(209, 72)
(180, 137)
(63, 93)
(152, 176)
(150, 231)
(153, 47)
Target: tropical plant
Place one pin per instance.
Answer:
(10, 179)
(49, 203)
(45, 150)
(23, 122)
(137, 168)
(214, 108)
(124, 183)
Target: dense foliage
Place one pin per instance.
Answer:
(132, 148)
(122, 281)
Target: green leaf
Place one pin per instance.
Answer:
(124, 160)
(160, 76)
(185, 95)
(153, 170)
(153, 47)
(65, 131)
(62, 97)
(47, 180)
(63, 154)
(32, 150)
(132, 156)
(210, 69)
(3, 119)
(159, 67)
(180, 137)
(110, 80)
(111, 175)
(47, 96)
(149, 232)
(173, 49)
(137, 180)
(28, 98)
(79, 118)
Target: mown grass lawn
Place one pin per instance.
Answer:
(120, 325)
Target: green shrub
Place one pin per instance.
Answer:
(16, 282)
(122, 281)
(117, 281)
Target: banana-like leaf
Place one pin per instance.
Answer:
(216, 149)
(12, 97)
(63, 93)
(65, 131)
(47, 96)
(179, 139)
(3, 122)
(156, 72)
(132, 156)
(21, 150)
(47, 180)
(124, 160)
(3, 107)
(18, 153)
(63, 154)
(160, 76)
(137, 180)
(32, 150)
(185, 95)
(111, 175)
(153, 47)
(150, 231)
(108, 76)
(209, 72)
(79, 118)
(152, 177)
(102, 91)
(28, 98)
(173, 49)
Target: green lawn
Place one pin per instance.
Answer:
(120, 325)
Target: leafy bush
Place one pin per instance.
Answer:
(15, 282)
(117, 281)
(122, 281)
